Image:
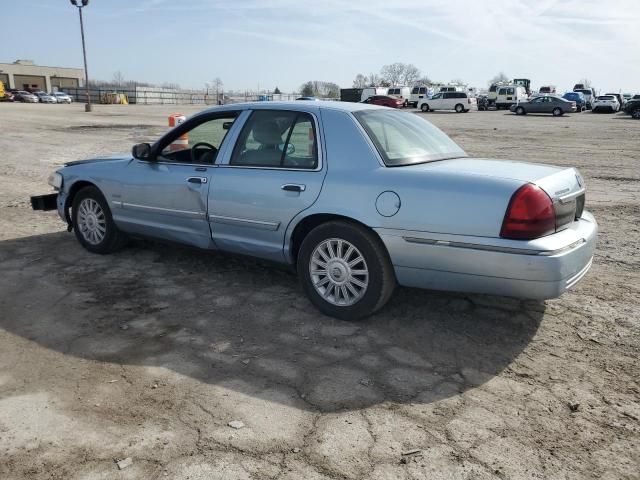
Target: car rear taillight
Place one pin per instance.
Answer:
(530, 214)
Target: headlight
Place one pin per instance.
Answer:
(55, 180)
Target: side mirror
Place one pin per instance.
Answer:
(141, 151)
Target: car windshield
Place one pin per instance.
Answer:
(605, 97)
(406, 139)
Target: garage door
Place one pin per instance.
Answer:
(64, 82)
(29, 82)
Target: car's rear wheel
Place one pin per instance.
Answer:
(93, 223)
(459, 108)
(424, 107)
(520, 111)
(345, 270)
(635, 113)
(557, 112)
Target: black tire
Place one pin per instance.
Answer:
(424, 107)
(557, 112)
(459, 108)
(381, 277)
(112, 239)
(520, 111)
(635, 113)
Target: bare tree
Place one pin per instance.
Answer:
(410, 74)
(360, 81)
(373, 79)
(216, 84)
(424, 80)
(393, 73)
(118, 78)
(586, 82)
(318, 88)
(458, 81)
(501, 77)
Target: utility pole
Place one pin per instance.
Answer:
(83, 3)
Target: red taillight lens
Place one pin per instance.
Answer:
(530, 214)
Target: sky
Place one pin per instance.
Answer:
(261, 44)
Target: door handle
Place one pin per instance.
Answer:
(293, 187)
(198, 180)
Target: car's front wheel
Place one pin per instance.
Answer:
(520, 111)
(635, 113)
(424, 107)
(93, 223)
(345, 270)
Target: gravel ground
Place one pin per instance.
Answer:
(148, 354)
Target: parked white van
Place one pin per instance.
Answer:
(371, 91)
(417, 94)
(509, 95)
(401, 93)
(458, 101)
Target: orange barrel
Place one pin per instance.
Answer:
(182, 141)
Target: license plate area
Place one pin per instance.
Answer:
(45, 202)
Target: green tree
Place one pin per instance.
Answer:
(277, 91)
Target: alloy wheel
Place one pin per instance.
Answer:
(92, 222)
(339, 272)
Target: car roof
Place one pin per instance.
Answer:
(294, 105)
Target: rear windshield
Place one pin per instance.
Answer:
(605, 97)
(405, 138)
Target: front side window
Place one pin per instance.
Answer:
(405, 139)
(201, 143)
(277, 139)
(436, 96)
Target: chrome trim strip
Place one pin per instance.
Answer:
(245, 222)
(570, 196)
(578, 276)
(160, 209)
(492, 248)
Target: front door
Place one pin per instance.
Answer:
(274, 172)
(166, 197)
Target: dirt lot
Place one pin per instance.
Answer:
(151, 352)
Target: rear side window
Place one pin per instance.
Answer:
(404, 138)
(415, 90)
(461, 95)
(448, 95)
(423, 90)
(277, 139)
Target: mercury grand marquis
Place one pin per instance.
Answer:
(357, 198)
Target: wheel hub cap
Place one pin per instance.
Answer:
(92, 223)
(339, 272)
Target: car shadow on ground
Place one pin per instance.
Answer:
(247, 326)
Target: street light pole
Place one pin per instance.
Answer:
(84, 3)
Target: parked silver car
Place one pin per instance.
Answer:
(44, 97)
(553, 104)
(357, 198)
(25, 97)
(62, 97)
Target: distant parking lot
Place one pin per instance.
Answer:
(150, 353)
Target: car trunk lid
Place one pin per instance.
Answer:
(564, 186)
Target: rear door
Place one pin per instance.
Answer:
(273, 172)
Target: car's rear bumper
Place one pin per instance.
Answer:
(540, 269)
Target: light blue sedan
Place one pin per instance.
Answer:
(357, 198)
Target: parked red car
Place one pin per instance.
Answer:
(384, 101)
